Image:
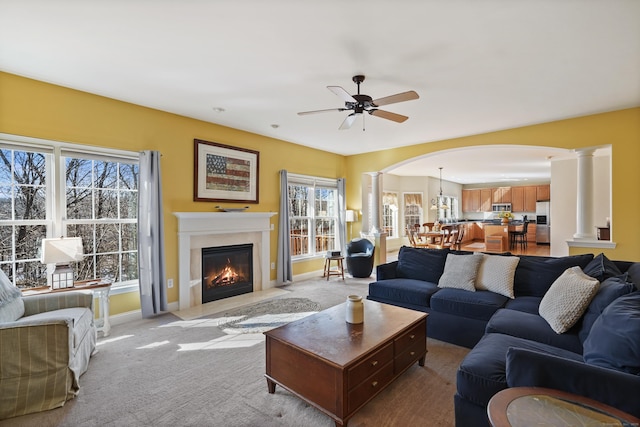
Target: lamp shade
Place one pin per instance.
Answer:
(61, 250)
(350, 216)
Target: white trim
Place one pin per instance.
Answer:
(603, 244)
(48, 145)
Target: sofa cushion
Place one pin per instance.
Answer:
(613, 340)
(79, 319)
(611, 289)
(475, 305)
(411, 291)
(532, 327)
(526, 304)
(496, 274)
(482, 373)
(460, 272)
(11, 304)
(568, 298)
(421, 264)
(535, 275)
(602, 268)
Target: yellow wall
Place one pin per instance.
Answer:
(40, 110)
(621, 129)
(36, 109)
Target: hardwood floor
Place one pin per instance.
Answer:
(530, 249)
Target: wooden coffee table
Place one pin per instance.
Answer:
(338, 367)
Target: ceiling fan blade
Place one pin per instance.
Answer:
(348, 121)
(343, 94)
(388, 115)
(304, 113)
(398, 97)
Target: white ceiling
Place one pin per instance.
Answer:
(478, 65)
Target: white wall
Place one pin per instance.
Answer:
(564, 199)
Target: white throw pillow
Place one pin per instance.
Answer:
(460, 272)
(567, 299)
(496, 274)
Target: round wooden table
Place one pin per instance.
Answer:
(537, 406)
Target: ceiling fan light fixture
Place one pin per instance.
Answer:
(359, 103)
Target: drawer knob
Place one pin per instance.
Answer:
(412, 353)
(374, 384)
(412, 336)
(374, 363)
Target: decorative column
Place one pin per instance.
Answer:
(374, 229)
(585, 224)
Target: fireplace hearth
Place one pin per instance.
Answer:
(226, 271)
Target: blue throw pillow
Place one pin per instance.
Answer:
(610, 290)
(602, 268)
(634, 274)
(421, 263)
(535, 275)
(614, 340)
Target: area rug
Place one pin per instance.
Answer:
(266, 315)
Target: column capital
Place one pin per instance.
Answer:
(584, 152)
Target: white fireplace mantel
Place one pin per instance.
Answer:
(204, 229)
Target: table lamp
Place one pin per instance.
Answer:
(350, 217)
(61, 251)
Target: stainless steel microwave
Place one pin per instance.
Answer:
(501, 207)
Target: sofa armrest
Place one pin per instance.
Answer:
(55, 301)
(386, 271)
(527, 368)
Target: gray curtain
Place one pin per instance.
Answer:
(284, 270)
(151, 263)
(342, 213)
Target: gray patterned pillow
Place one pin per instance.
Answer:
(496, 274)
(460, 271)
(567, 299)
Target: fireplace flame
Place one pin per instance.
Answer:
(228, 276)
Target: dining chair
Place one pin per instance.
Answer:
(413, 241)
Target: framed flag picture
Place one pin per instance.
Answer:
(225, 173)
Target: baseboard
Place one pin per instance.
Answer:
(130, 316)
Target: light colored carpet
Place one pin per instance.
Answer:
(171, 372)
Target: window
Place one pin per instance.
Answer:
(50, 189)
(412, 209)
(390, 214)
(451, 213)
(313, 215)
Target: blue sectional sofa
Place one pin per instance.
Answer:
(529, 321)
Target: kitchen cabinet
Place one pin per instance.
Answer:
(485, 199)
(471, 200)
(517, 199)
(531, 233)
(543, 193)
(478, 231)
(502, 195)
(530, 198)
(523, 198)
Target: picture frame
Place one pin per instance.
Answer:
(224, 173)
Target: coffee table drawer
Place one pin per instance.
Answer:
(416, 334)
(369, 366)
(370, 387)
(409, 356)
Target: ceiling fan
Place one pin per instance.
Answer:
(359, 104)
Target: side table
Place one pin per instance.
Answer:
(338, 271)
(537, 406)
(100, 290)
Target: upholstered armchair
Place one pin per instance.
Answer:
(360, 257)
(45, 345)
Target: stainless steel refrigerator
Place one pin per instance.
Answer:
(543, 223)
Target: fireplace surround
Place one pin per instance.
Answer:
(197, 230)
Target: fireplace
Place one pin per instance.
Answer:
(227, 271)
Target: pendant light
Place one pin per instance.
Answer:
(441, 202)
